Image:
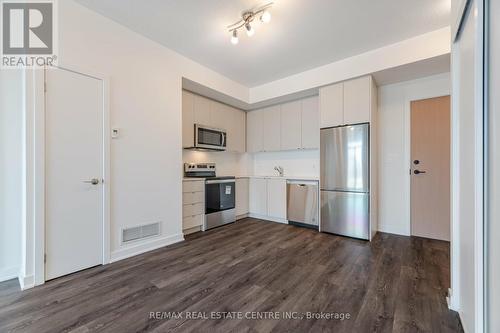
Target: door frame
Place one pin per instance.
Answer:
(434, 92)
(39, 160)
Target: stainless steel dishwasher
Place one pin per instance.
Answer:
(302, 203)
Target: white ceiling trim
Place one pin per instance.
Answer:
(426, 46)
(420, 56)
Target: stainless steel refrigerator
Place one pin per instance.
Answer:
(344, 181)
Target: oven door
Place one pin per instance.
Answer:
(219, 195)
(209, 138)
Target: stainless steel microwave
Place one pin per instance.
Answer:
(209, 137)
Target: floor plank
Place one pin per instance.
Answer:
(249, 268)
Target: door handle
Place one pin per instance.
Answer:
(93, 181)
(417, 172)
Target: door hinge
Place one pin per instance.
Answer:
(45, 258)
(45, 86)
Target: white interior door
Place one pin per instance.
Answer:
(74, 172)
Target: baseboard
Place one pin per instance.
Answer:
(460, 317)
(9, 273)
(388, 229)
(26, 282)
(450, 300)
(191, 230)
(151, 245)
(268, 218)
(242, 216)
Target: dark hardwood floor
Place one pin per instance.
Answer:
(256, 268)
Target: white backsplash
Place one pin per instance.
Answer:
(228, 164)
(302, 163)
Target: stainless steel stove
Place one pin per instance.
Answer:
(219, 194)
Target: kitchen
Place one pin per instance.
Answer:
(346, 113)
(247, 157)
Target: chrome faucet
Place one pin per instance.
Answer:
(280, 170)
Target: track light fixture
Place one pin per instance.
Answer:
(247, 18)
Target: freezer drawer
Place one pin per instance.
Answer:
(302, 202)
(345, 213)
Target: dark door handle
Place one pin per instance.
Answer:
(417, 172)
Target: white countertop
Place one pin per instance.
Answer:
(286, 177)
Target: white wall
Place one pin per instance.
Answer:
(394, 147)
(145, 103)
(11, 172)
(304, 163)
(467, 129)
(493, 232)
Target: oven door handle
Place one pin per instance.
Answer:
(222, 181)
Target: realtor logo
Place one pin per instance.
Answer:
(27, 33)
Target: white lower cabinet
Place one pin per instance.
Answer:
(242, 200)
(193, 205)
(276, 198)
(258, 196)
(268, 198)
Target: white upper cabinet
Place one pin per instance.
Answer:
(272, 128)
(187, 119)
(331, 101)
(291, 125)
(255, 131)
(347, 103)
(202, 110)
(276, 198)
(238, 131)
(310, 123)
(357, 102)
(220, 116)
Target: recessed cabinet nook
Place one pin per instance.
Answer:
(290, 126)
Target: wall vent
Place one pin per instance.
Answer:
(143, 231)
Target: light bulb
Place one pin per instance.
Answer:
(234, 37)
(250, 31)
(266, 17)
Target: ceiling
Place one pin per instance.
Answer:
(301, 35)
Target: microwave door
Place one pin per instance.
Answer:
(210, 138)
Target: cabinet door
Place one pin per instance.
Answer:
(357, 100)
(255, 131)
(242, 192)
(310, 123)
(276, 198)
(239, 128)
(272, 128)
(187, 119)
(221, 116)
(331, 105)
(291, 127)
(202, 110)
(258, 196)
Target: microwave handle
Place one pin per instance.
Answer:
(224, 139)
